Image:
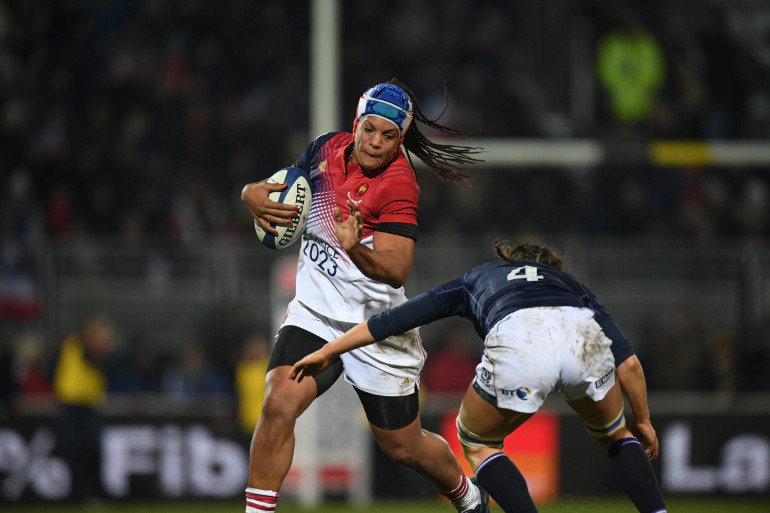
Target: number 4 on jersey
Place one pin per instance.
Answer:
(526, 272)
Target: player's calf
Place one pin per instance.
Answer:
(634, 473)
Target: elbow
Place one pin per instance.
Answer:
(397, 280)
(631, 365)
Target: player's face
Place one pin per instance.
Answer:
(376, 142)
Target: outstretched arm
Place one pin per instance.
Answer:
(631, 378)
(317, 361)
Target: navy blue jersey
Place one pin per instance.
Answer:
(488, 293)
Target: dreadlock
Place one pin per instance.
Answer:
(528, 250)
(447, 161)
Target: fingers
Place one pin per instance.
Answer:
(282, 217)
(337, 215)
(357, 216)
(647, 436)
(268, 222)
(265, 211)
(274, 186)
(297, 372)
(355, 206)
(265, 226)
(652, 449)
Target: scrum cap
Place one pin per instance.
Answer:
(389, 102)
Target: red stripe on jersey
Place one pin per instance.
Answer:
(387, 195)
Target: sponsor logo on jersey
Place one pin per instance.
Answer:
(322, 166)
(604, 379)
(521, 393)
(405, 384)
(354, 200)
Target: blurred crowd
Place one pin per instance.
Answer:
(147, 118)
(139, 119)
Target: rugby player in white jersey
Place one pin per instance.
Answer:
(367, 176)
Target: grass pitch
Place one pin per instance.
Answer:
(564, 505)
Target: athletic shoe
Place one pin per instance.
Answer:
(483, 506)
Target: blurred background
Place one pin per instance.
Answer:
(632, 135)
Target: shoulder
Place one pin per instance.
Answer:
(335, 141)
(485, 268)
(329, 136)
(400, 169)
(398, 180)
(330, 139)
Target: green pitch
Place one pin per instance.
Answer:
(566, 505)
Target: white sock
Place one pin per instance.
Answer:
(466, 496)
(260, 501)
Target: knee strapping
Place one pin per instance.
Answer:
(608, 429)
(473, 441)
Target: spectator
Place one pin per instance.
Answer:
(30, 369)
(80, 385)
(250, 380)
(631, 68)
(193, 376)
(8, 387)
(137, 370)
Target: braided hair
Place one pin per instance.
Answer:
(447, 161)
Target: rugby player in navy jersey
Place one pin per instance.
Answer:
(543, 331)
(367, 176)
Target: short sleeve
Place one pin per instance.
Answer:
(399, 200)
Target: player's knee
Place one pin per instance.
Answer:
(473, 443)
(398, 452)
(281, 404)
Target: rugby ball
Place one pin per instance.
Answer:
(297, 192)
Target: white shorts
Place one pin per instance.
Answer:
(534, 351)
(390, 367)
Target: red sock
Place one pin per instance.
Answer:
(259, 501)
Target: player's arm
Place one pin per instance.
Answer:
(444, 301)
(390, 259)
(317, 361)
(631, 378)
(256, 195)
(632, 382)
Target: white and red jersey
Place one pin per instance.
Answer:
(328, 282)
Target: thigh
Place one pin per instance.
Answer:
(601, 412)
(390, 413)
(390, 367)
(292, 344)
(486, 420)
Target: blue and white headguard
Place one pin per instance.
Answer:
(389, 102)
